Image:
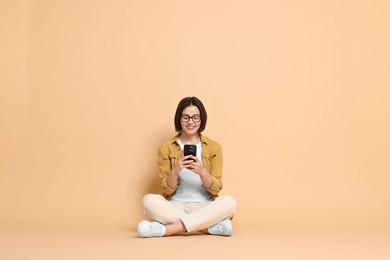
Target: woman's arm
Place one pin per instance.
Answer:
(167, 184)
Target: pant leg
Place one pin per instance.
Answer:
(158, 208)
(213, 212)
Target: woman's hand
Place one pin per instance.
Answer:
(195, 165)
(192, 163)
(182, 162)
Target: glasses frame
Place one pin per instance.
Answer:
(190, 117)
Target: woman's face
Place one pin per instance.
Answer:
(189, 127)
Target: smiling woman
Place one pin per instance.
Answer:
(190, 183)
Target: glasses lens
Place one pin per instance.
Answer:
(186, 118)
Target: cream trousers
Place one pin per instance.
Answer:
(194, 215)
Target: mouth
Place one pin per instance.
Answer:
(190, 128)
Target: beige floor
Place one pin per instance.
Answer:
(247, 243)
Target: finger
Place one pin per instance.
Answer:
(187, 163)
(194, 158)
(194, 165)
(189, 158)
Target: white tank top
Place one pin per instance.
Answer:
(190, 188)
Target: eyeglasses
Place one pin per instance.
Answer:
(186, 118)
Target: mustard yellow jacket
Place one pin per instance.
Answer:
(169, 153)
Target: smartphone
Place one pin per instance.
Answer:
(190, 149)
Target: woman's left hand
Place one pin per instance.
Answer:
(196, 166)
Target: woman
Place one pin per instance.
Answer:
(190, 184)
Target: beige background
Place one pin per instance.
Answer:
(297, 94)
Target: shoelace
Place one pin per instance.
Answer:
(219, 228)
(154, 228)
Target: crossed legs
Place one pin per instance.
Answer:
(187, 217)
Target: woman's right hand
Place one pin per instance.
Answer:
(182, 162)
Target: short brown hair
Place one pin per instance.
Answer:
(186, 102)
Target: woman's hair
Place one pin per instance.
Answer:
(186, 102)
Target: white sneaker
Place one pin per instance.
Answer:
(150, 229)
(223, 228)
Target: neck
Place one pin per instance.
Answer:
(192, 139)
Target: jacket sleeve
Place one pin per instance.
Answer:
(164, 166)
(216, 165)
